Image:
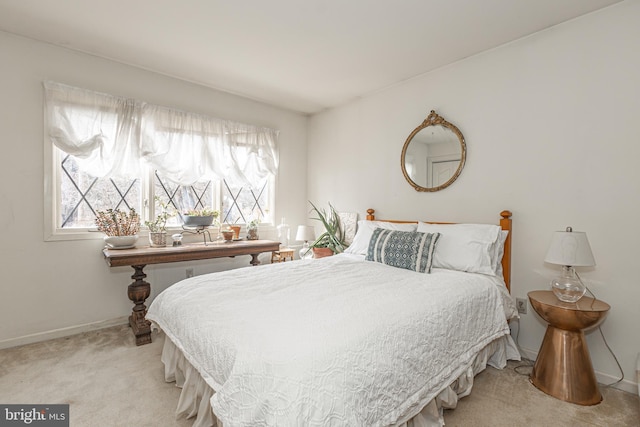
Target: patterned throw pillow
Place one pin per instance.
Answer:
(411, 250)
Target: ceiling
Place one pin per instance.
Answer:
(302, 55)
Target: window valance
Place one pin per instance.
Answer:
(113, 136)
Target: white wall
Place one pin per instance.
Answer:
(551, 128)
(551, 123)
(47, 286)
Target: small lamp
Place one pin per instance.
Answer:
(305, 233)
(569, 249)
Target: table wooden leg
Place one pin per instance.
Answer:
(254, 259)
(138, 292)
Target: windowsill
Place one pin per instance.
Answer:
(84, 234)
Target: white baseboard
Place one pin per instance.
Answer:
(601, 377)
(63, 332)
(638, 372)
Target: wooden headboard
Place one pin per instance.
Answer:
(505, 224)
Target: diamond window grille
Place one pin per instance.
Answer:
(242, 204)
(81, 195)
(200, 195)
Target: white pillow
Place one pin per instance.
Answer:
(365, 231)
(499, 253)
(465, 247)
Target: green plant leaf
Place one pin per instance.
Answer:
(333, 236)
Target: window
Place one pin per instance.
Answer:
(81, 194)
(109, 152)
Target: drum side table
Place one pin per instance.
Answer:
(563, 367)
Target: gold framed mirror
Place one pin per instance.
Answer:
(433, 155)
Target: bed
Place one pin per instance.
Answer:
(390, 333)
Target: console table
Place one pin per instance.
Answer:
(138, 258)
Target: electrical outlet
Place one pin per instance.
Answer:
(521, 304)
(189, 272)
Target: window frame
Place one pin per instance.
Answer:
(53, 200)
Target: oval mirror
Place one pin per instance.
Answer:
(433, 155)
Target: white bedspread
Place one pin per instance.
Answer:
(334, 341)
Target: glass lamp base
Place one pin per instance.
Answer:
(568, 287)
(306, 252)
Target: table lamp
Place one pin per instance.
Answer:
(569, 249)
(305, 233)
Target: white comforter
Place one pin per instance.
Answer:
(336, 341)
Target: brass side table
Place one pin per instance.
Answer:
(563, 367)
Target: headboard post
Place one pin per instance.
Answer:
(505, 223)
(371, 214)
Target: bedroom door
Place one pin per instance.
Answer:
(441, 171)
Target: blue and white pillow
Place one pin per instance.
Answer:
(411, 250)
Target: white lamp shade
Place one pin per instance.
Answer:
(305, 233)
(570, 248)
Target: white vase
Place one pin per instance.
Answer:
(284, 233)
(121, 242)
(158, 239)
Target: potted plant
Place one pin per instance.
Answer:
(252, 229)
(227, 234)
(199, 217)
(121, 228)
(331, 241)
(158, 227)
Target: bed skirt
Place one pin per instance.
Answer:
(196, 393)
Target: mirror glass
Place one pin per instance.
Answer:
(433, 155)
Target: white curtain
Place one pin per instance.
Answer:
(252, 151)
(111, 135)
(101, 131)
(188, 147)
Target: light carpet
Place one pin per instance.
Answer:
(108, 381)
